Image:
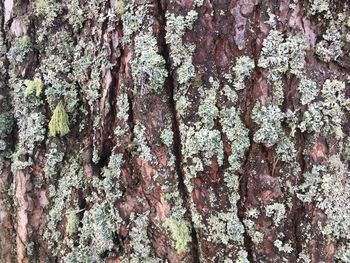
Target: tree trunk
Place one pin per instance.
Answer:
(174, 131)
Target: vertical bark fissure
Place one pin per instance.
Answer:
(8, 228)
(300, 210)
(170, 89)
(243, 192)
(247, 120)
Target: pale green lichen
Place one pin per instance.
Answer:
(54, 159)
(48, 10)
(269, 118)
(243, 68)
(99, 224)
(141, 143)
(72, 178)
(123, 107)
(229, 93)
(286, 150)
(76, 15)
(181, 54)
(180, 232)
(343, 253)
(204, 142)
(277, 212)
(286, 247)
(6, 126)
(281, 55)
(98, 228)
(327, 115)
(327, 185)
(58, 124)
(148, 67)
(308, 89)
(56, 69)
(256, 235)
(319, 7)
(225, 228)
(107, 184)
(30, 122)
(140, 241)
(21, 48)
(207, 109)
(237, 135)
(132, 20)
(330, 48)
(167, 137)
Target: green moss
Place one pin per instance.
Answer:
(34, 85)
(72, 223)
(58, 124)
(119, 7)
(180, 233)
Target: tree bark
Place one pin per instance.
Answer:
(174, 131)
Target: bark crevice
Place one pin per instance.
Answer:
(170, 89)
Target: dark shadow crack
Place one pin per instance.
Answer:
(170, 89)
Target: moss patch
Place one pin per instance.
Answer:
(180, 232)
(59, 121)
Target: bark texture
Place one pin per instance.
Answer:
(174, 131)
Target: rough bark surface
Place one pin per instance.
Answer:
(174, 131)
